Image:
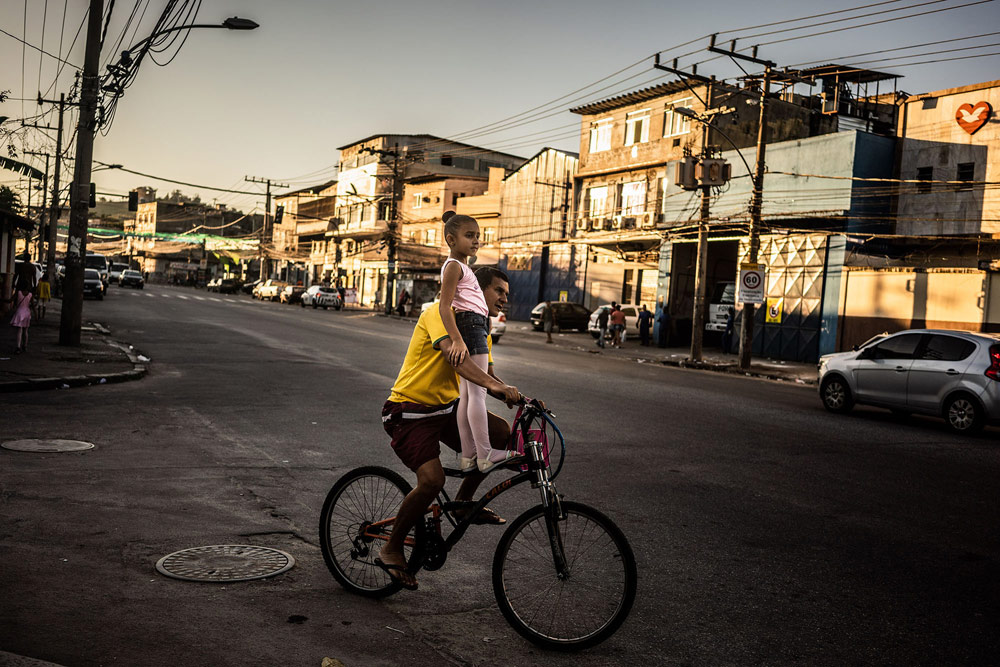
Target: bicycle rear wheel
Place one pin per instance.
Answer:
(362, 497)
(580, 608)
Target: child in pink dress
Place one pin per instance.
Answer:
(468, 327)
(22, 319)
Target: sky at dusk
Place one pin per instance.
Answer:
(278, 101)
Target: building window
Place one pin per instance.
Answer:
(432, 237)
(446, 160)
(674, 123)
(924, 174)
(598, 201)
(637, 127)
(634, 198)
(489, 234)
(418, 199)
(600, 135)
(383, 211)
(966, 172)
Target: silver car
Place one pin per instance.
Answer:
(953, 374)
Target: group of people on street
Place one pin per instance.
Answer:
(613, 319)
(29, 298)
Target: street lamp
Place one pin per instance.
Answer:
(123, 72)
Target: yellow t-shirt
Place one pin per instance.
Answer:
(44, 291)
(426, 376)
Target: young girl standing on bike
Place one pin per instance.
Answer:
(468, 326)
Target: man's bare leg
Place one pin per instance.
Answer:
(430, 481)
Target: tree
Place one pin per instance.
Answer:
(9, 200)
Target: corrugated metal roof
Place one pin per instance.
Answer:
(630, 98)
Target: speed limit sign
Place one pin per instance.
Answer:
(751, 283)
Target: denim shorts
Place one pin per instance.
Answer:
(474, 329)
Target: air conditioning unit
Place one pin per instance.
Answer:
(597, 224)
(616, 222)
(647, 220)
(582, 224)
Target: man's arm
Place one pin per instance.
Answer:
(473, 373)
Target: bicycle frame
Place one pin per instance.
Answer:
(537, 473)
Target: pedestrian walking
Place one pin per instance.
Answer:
(617, 318)
(602, 325)
(22, 318)
(644, 324)
(548, 320)
(404, 299)
(44, 296)
(727, 334)
(663, 332)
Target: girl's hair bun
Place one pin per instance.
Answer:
(447, 215)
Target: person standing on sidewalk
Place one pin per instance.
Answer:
(44, 296)
(602, 325)
(663, 332)
(644, 324)
(548, 319)
(617, 326)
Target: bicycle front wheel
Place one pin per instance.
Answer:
(354, 525)
(585, 603)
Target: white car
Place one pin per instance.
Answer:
(319, 296)
(631, 320)
(498, 324)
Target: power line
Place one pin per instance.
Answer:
(170, 180)
(25, 43)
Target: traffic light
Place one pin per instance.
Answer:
(92, 202)
(133, 200)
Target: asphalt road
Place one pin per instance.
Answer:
(767, 531)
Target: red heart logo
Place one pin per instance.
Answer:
(971, 118)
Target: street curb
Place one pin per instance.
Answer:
(732, 370)
(138, 371)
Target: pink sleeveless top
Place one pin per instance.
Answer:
(468, 295)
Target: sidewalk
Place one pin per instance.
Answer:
(47, 365)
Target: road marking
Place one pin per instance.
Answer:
(200, 298)
(181, 296)
(212, 298)
(150, 294)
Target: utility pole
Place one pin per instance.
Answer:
(42, 213)
(265, 230)
(76, 244)
(53, 216)
(398, 168)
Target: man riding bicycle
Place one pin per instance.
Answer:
(421, 413)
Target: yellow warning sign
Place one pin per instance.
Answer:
(773, 315)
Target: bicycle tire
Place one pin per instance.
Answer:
(525, 580)
(366, 494)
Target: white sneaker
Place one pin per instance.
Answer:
(512, 457)
(466, 464)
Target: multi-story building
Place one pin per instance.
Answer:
(371, 179)
(299, 244)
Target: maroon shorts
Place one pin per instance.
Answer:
(417, 430)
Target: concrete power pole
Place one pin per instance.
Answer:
(76, 245)
(265, 230)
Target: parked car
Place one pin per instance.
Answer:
(130, 278)
(115, 272)
(631, 319)
(952, 374)
(228, 286)
(248, 288)
(270, 289)
(498, 324)
(565, 316)
(212, 285)
(92, 284)
(291, 294)
(319, 296)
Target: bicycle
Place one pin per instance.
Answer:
(564, 575)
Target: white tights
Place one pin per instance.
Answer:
(473, 426)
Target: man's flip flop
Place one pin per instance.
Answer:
(388, 568)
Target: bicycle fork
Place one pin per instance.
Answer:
(552, 503)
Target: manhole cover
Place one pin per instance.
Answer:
(47, 446)
(221, 563)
